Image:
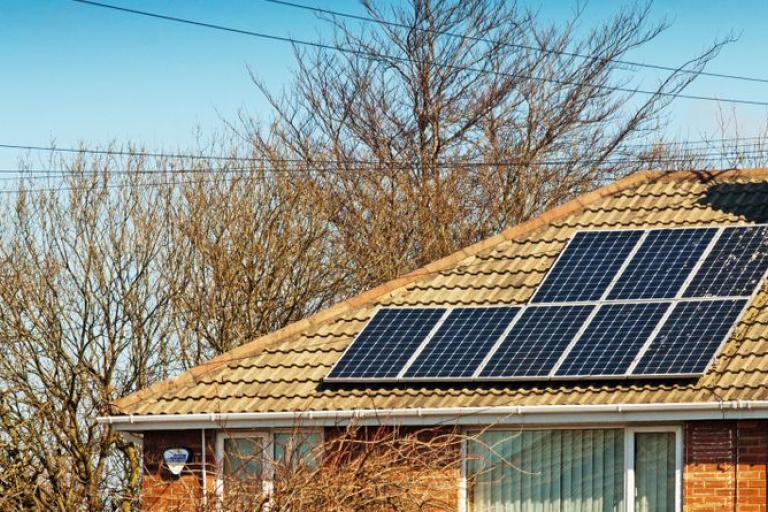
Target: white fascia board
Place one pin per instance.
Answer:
(464, 416)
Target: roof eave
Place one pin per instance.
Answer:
(462, 416)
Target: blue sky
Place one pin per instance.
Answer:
(74, 73)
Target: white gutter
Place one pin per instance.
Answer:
(517, 415)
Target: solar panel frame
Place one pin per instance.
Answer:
(631, 376)
(603, 300)
(715, 354)
(536, 299)
(681, 291)
(587, 311)
(608, 354)
(680, 298)
(734, 326)
(701, 269)
(351, 346)
(516, 310)
(659, 271)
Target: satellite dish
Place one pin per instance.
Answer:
(176, 458)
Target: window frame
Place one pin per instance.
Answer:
(266, 461)
(629, 463)
(294, 431)
(267, 438)
(629, 457)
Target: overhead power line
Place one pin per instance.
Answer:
(109, 187)
(381, 58)
(229, 173)
(54, 149)
(635, 64)
(740, 141)
(249, 172)
(759, 140)
(371, 165)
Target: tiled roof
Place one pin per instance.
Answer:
(283, 371)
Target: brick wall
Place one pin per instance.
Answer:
(161, 490)
(725, 466)
(164, 492)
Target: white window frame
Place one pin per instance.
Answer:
(266, 460)
(629, 463)
(267, 452)
(629, 459)
(299, 432)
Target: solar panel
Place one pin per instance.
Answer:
(612, 339)
(587, 266)
(735, 266)
(461, 342)
(662, 263)
(535, 343)
(386, 343)
(690, 338)
(633, 303)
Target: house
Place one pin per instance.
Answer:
(692, 438)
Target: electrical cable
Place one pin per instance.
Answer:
(633, 64)
(383, 58)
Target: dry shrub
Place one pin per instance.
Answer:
(356, 469)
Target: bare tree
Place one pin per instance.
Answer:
(447, 121)
(122, 271)
(82, 321)
(252, 253)
(355, 469)
(445, 124)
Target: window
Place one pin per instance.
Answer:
(242, 459)
(250, 461)
(297, 450)
(654, 473)
(573, 470)
(243, 463)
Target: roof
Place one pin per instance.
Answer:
(283, 371)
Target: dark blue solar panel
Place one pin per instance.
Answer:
(735, 266)
(536, 342)
(613, 339)
(690, 338)
(461, 342)
(587, 266)
(386, 343)
(661, 265)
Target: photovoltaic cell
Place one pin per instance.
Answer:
(386, 343)
(735, 266)
(693, 331)
(690, 337)
(587, 266)
(662, 263)
(612, 339)
(462, 342)
(536, 342)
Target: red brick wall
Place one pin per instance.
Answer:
(164, 492)
(161, 490)
(725, 466)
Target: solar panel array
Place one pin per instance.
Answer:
(615, 305)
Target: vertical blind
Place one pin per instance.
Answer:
(654, 472)
(297, 450)
(243, 468)
(243, 458)
(547, 471)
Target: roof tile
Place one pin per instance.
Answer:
(286, 375)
